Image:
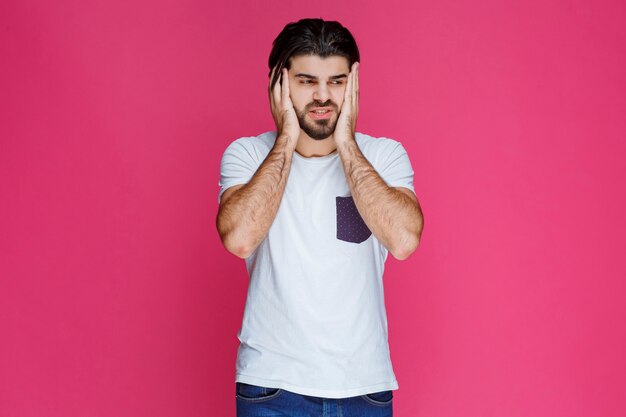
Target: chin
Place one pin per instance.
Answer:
(318, 138)
(315, 134)
(318, 135)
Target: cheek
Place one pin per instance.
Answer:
(339, 96)
(339, 100)
(298, 96)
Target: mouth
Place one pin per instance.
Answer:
(320, 113)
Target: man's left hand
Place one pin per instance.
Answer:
(346, 123)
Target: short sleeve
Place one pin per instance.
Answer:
(396, 169)
(239, 163)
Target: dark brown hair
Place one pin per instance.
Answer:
(311, 37)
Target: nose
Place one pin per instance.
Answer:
(321, 92)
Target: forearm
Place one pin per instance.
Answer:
(392, 216)
(245, 218)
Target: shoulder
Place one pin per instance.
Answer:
(253, 146)
(389, 158)
(377, 147)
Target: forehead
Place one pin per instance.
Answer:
(318, 66)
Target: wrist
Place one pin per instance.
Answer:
(343, 140)
(286, 141)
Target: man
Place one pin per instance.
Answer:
(314, 208)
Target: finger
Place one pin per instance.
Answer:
(269, 86)
(355, 94)
(347, 94)
(285, 92)
(276, 92)
(354, 80)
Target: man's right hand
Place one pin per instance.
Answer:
(282, 108)
(247, 212)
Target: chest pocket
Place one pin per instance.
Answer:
(350, 224)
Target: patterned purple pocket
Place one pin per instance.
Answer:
(350, 224)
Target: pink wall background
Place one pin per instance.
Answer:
(116, 297)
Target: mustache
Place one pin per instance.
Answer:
(327, 103)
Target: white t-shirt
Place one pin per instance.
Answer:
(315, 320)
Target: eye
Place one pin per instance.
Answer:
(305, 82)
(337, 82)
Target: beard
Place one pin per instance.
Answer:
(318, 129)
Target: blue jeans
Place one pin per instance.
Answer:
(255, 401)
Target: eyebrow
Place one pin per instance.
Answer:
(313, 77)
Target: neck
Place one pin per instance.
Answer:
(309, 148)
